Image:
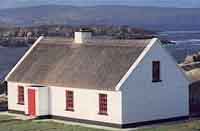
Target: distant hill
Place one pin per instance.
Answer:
(143, 17)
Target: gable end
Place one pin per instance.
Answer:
(136, 63)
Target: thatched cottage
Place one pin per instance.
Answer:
(117, 83)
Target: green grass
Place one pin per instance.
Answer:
(187, 126)
(8, 123)
(5, 117)
(41, 126)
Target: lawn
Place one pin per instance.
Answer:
(8, 123)
(187, 126)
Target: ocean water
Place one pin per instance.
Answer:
(8, 58)
(187, 43)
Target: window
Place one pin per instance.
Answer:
(103, 104)
(21, 95)
(156, 71)
(69, 101)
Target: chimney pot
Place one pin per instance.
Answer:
(82, 36)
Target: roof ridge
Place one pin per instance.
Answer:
(100, 45)
(98, 42)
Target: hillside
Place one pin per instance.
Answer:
(145, 17)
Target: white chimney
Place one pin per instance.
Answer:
(82, 36)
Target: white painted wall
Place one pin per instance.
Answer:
(51, 100)
(41, 98)
(144, 101)
(86, 104)
(43, 101)
(12, 97)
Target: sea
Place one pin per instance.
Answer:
(185, 43)
(8, 58)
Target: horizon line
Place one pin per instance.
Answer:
(99, 5)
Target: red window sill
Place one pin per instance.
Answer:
(72, 110)
(20, 103)
(101, 113)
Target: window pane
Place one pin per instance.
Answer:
(156, 70)
(69, 101)
(20, 95)
(103, 104)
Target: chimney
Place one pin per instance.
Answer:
(82, 36)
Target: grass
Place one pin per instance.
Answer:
(41, 126)
(8, 123)
(187, 126)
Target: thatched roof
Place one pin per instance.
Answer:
(98, 64)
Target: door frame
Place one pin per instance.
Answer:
(32, 102)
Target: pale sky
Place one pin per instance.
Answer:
(162, 3)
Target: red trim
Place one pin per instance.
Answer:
(103, 104)
(31, 102)
(69, 100)
(20, 95)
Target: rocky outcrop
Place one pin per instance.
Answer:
(192, 58)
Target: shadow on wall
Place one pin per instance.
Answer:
(3, 98)
(195, 98)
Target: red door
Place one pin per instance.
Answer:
(31, 102)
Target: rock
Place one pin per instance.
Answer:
(194, 75)
(189, 59)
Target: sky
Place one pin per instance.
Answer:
(161, 3)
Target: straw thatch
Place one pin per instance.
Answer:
(98, 64)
